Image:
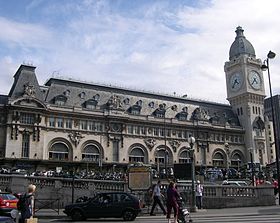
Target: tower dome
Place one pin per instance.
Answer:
(241, 45)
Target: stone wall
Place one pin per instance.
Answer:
(62, 190)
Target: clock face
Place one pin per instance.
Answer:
(254, 80)
(236, 81)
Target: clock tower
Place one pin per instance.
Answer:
(246, 93)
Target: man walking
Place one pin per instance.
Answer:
(198, 192)
(157, 199)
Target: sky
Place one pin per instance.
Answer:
(174, 47)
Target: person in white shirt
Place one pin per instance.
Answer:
(157, 199)
(199, 193)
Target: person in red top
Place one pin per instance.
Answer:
(172, 197)
(275, 185)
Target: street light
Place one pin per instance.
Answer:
(252, 166)
(157, 155)
(264, 67)
(228, 159)
(191, 141)
(174, 108)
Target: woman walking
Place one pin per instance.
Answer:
(172, 197)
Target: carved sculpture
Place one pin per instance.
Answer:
(29, 90)
(75, 137)
(150, 143)
(174, 144)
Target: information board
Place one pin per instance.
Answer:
(139, 178)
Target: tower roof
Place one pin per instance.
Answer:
(241, 45)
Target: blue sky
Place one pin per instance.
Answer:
(162, 46)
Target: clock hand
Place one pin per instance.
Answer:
(255, 81)
(235, 82)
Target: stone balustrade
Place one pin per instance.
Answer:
(215, 196)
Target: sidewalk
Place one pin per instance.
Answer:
(244, 211)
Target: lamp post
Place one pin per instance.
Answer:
(157, 155)
(264, 67)
(191, 141)
(228, 159)
(252, 166)
(174, 108)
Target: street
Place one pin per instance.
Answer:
(271, 217)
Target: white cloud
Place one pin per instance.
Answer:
(156, 47)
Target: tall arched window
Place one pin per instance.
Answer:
(59, 151)
(160, 156)
(136, 155)
(218, 160)
(236, 161)
(184, 157)
(91, 153)
(25, 144)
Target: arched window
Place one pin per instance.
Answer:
(218, 160)
(59, 151)
(136, 155)
(236, 161)
(160, 156)
(184, 157)
(91, 153)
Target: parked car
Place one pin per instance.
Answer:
(106, 205)
(235, 183)
(8, 202)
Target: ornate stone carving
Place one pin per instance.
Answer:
(150, 143)
(174, 144)
(114, 102)
(29, 90)
(116, 127)
(75, 137)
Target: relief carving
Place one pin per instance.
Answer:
(75, 137)
(150, 143)
(114, 102)
(29, 90)
(174, 144)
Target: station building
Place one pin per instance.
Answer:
(66, 122)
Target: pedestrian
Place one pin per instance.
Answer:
(275, 186)
(172, 198)
(26, 203)
(199, 193)
(156, 196)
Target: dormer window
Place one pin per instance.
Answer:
(159, 113)
(139, 103)
(182, 116)
(82, 95)
(135, 110)
(152, 104)
(126, 101)
(60, 100)
(96, 97)
(185, 109)
(67, 93)
(91, 104)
